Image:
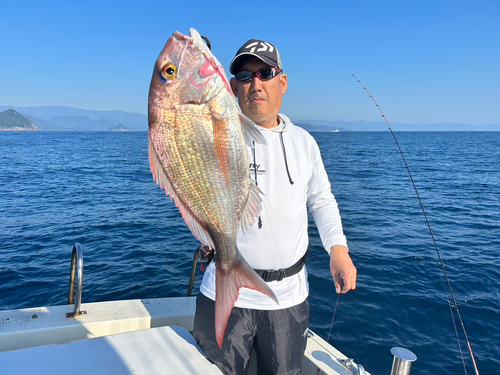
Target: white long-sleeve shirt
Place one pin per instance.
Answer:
(291, 155)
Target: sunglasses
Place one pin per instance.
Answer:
(264, 74)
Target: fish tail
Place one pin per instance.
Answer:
(228, 283)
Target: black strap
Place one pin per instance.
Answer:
(278, 275)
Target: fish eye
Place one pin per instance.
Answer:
(169, 71)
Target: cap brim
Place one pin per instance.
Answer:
(238, 61)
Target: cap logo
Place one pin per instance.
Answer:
(264, 47)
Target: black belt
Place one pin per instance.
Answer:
(278, 275)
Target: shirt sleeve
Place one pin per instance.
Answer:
(322, 204)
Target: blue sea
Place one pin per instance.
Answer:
(95, 188)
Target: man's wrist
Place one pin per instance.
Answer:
(339, 249)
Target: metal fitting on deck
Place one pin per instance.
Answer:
(403, 359)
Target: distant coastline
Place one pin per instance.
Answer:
(363, 126)
(68, 119)
(60, 118)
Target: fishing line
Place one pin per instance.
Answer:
(456, 331)
(330, 331)
(333, 318)
(454, 305)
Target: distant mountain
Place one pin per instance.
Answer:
(14, 121)
(44, 125)
(80, 123)
(326, 125)
(105, 119)
(120, 128)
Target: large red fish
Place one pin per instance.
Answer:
(197, 153)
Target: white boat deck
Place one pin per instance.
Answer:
(25, 328)
(123, 337)
(161, 350)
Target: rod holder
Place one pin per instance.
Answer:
(403, 359)
(76, 271)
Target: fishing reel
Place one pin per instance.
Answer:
(205, 255)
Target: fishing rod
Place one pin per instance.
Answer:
(454, 305)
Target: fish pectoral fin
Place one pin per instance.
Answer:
(251, 131)
(253, 207)
(221, 138)
(227, 286)
(162, 179)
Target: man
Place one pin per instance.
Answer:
(290, 172)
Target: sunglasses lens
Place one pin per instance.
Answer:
(244, 76)
(266, 74)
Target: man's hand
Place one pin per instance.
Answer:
(342, 267)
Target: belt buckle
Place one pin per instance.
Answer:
(265, 275)
(281, 275)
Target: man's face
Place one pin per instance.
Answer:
(260, 100)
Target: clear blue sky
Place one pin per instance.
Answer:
(424, 61)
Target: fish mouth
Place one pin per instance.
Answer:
(195, 39)
(190, 43)
(180, 36)
(192, 38)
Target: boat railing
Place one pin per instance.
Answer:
(76, 282)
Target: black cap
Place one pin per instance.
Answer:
(264, 51)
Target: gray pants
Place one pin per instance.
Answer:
(278, 337)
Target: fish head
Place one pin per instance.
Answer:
(186, 72)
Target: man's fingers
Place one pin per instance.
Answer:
(339, 283)
(343, 271)
(350, 283)
(343, 284)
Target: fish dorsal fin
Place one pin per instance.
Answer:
(251, 131)
(161, 179)
(252, 207)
